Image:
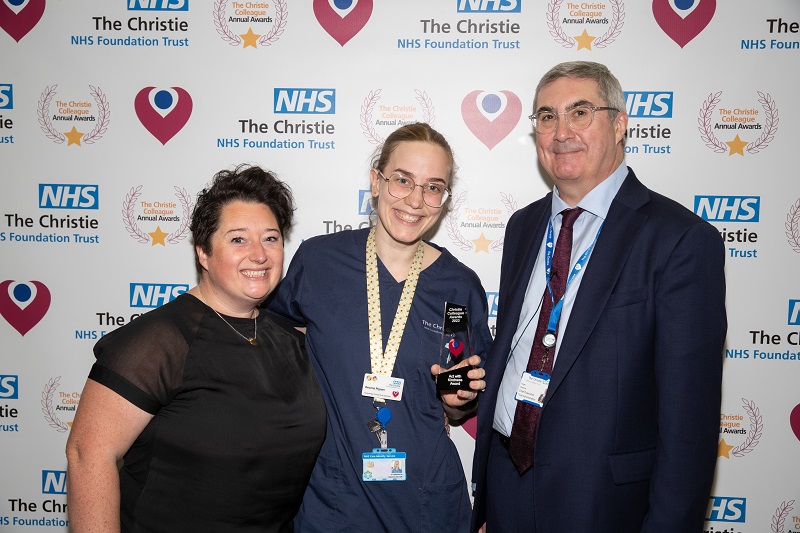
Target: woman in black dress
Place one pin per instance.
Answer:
(211, 404)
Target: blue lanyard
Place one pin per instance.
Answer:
(555, 313)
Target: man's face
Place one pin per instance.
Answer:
(579, 160)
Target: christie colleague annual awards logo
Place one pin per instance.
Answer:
(491, 116)
(478, 227)
(793, 226)
(58, 404)
(342, 19)
(163, 111)
(590, 17)
(23, 304)
(155, 213)
(18, 17)
(77, 112)
(391, 114)
(268, 18)
(749, 129)
(742, 430)
(683, 20)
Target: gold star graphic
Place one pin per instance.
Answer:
(158, 236)
(482, 244)
(737, 145)
(73, 136)
(585, 40)
(249, 38)
(724, 449)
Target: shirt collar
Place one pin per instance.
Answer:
(598, 200)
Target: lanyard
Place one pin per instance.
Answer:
(555, 313)
(383, 363)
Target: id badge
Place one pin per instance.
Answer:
(386, 465)
(384, 387)
(533, 387)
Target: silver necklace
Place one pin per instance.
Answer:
(252, 340)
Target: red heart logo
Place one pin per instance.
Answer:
(794, 421)
(34, 304)
(17, 25)
(342, 28)
(455, 347)
(395, 393)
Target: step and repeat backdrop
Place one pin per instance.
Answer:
(115, 113)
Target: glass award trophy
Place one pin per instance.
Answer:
(455, 349)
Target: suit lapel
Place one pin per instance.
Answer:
(624, 220)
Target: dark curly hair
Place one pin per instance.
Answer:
(246, 183)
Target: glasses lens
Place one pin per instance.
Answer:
(580, 117)
(545, 121)
(434, 193)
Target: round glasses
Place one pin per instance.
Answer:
(578, 118)
(434, 193)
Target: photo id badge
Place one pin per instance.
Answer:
(384, 387)
(533, 387)
(387, 465)
(455, 348)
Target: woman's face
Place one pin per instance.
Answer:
(246, 259)
(406, 220)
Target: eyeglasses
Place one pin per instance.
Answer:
(578, 118)
(434, 194)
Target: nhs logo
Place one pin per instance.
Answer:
(726, 509)
(155, 294)
(9, 387)
(491, 300)
(649, 104)
(728, 208)
(295, 100)
(54, 482)
(794, 312)
(6, 96)
(63, 196)
(158, 5)
(364, 202)
(489, 6)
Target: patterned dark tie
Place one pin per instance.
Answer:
(526, 416)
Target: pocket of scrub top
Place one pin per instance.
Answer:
(445, 507)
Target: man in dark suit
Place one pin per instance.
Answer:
(603, 416)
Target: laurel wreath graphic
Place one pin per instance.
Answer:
(103, 116)
(707, 133)
(47, 406)
(451, 221)
(365, 115)
(46, 124)
(556, 31)
(771, 126)
(129, 217)
(756, 426)
(281, 17)
(614, 28)
(778, 519)
(792, 223)
(186, 203)
(43, 111)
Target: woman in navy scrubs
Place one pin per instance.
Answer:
(372, 301)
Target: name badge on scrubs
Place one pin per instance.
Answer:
(386, 465)
(384, 387)
(533, 387)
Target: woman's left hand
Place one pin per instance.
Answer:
(460, 398)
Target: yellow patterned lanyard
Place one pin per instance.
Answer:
(383, 363)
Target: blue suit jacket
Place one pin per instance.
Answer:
(628, 434)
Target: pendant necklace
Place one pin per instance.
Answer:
(252, 340)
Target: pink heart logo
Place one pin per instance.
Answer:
(455, 347)
(491, 116)
(346, 21)
(395, 393)
(23, 305)
(163, 112)
(794, 421)
(682, 28)
(18, 24)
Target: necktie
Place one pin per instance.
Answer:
(526, 416)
